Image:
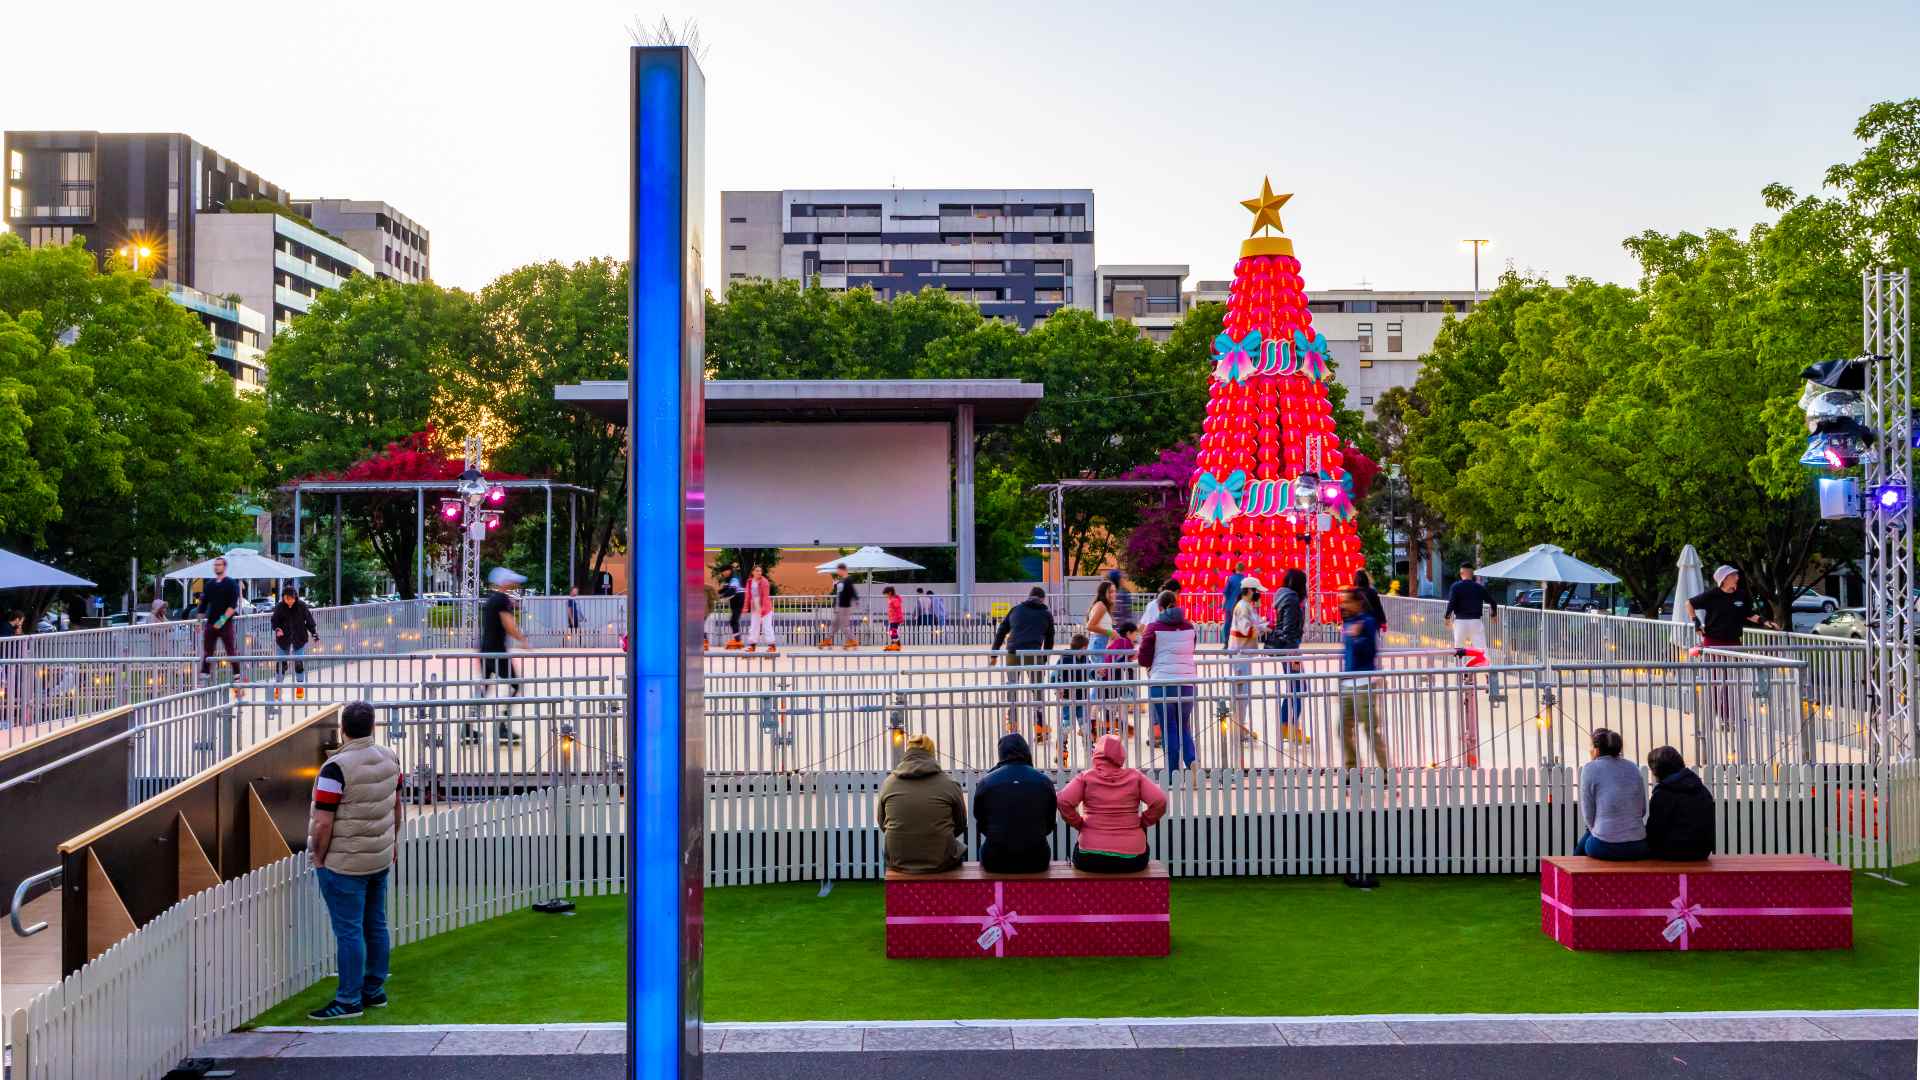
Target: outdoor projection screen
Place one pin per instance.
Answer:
(829, 485)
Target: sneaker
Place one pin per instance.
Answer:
(336, 1010)
(376, 999)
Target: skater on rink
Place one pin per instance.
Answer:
(1468, 603)
(219, 603)
(896, 617)
(293, 628)
(497, 625)
(760, 612)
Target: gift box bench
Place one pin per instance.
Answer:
(1063, 912)
(1726, 902)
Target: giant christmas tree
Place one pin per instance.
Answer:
(1270, 490)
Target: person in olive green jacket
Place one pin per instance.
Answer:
(923, 813)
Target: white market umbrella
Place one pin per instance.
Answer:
(1548, 564)
(868, 560)
(242, 565)
(1689, 585)
(20, 572)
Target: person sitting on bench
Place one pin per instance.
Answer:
(1614, 801)
(1680, 814)
(1013, 808)
(1104, 804)
(923, 813)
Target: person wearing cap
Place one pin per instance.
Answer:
(1245, 629)
(1723, 612)
(293, 627)
(1467, 602)
(497, 624)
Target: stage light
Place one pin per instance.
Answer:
(496, 495)
(452, 510)
(493, 520)
(1890, 498)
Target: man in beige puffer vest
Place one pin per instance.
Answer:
(350, 838)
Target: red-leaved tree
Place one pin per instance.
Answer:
(387, 520)
(1151, 546)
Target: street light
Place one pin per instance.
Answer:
(1477, 245)
(136, 252)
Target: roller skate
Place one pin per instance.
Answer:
(852, 644)
(753, 648)
(892, 646)
(734, 643)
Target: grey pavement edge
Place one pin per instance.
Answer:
(823, 1037)
(1831, 1060)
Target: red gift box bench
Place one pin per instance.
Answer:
(1063, 912)
(1726, 902)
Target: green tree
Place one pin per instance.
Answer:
(373, 362)
(136, 437)
(547, 325)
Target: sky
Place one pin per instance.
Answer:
(1400, 128)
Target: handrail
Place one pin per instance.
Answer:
(20, 899)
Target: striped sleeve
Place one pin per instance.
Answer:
(326, 789)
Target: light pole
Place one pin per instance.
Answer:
(1393, 538)
(1477, 245)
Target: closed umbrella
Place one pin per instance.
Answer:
(1548, 564)
(1689, 585)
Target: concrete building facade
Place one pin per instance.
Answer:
(1020, 255)
(272, 263)
(394, 243)
(1150, 296)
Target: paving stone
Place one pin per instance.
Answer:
(1073, 1037)
(775, 1040)
(1898, 1028)
(938, 1038)
(1595, 1029)
(1467, 1032)
(1359, 1033)
(1752, 1029)
(508, 1042)
(1156, 1036)
(247, 1044)
(614, 1041)
(364, 1044)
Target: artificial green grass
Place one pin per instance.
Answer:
(1241, 947)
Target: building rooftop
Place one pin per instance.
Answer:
(995, 401)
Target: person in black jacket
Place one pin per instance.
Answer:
(219, 603)
(1289, 626)
(293, 628)
(1013, 809)
(1680, 813)
(1026, 628)
(1363, 583)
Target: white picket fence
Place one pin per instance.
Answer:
(218, 958)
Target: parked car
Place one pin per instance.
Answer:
(1847, 623)
(1808, 600)
(1577, 598)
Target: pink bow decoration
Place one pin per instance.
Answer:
(1217, 501)
(1235, 360)
(1682, 916)
(997, 927)
(1311, 355)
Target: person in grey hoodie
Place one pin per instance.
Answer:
(1613, 800)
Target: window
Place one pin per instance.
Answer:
(736, 247)
(864, 238)
(16, 165)
(1366, 401)
(1365, 331)
(1366, 363)
(1049, 296)
(50, 236)
(16, 200)
(864, 211)
(833, 267)
(1325, 307)
(953, 268)
(76, 167)
(736, 221)
(1048, 238)
(989, 268)
(1402, 305)
(833, 238)
(1394, 338)
(863, 268)
(735, 276)
(1049, 268)
(1362, 307)
(987, 238)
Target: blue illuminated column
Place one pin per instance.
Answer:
(665, 429)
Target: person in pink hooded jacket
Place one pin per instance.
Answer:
(1104, 805)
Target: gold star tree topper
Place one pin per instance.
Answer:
(1266, 214)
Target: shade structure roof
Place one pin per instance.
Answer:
(994, 401)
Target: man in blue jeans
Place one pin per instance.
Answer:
(350, 838)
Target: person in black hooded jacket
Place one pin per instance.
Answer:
(1680, 813)
(1013, 809)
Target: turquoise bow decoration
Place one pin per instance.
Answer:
(1217, 501)
(1235, 360)
(1312, 355)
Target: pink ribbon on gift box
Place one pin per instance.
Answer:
(1682, 917)
(1007, 922)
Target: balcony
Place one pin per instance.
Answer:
(1019, 223)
